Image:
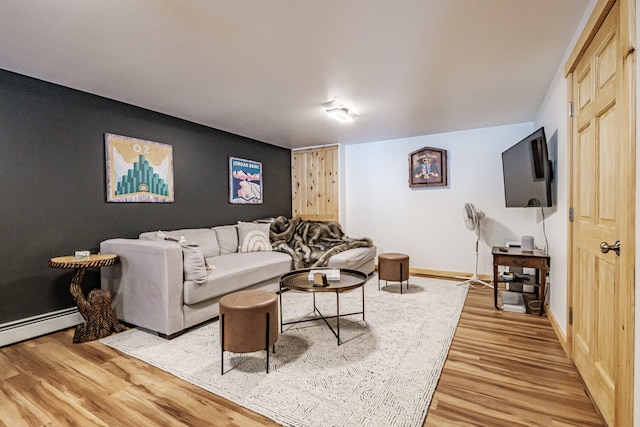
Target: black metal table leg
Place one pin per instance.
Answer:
(267, 342)
(338, 314)
(362, 302)
(222, 344)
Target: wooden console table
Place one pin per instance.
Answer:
(516, 257)
(100, 320)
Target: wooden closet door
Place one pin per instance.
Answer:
(314, 178)
(601, 285)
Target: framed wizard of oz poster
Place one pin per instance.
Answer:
(138, 170)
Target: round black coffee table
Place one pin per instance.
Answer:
(298, 280)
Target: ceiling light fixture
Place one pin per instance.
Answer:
(342, 114)
(338, 110)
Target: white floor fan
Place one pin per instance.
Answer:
(472, 219)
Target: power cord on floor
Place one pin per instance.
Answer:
(537, 304)
(544, 232)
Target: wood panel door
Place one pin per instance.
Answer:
(314, 177)
(602, 197)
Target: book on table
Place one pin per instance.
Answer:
(332, 274)
(513, 302)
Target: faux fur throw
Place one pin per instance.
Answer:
(311, 243)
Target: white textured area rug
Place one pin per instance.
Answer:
(384, 373)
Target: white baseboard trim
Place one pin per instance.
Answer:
(31, 327)
(562, 337)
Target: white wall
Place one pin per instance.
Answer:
(427, 223)
(553, 116)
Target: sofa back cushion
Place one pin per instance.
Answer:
(204, 237)
(227, 238)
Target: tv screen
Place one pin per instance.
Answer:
(527, 172)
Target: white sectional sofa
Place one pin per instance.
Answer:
(167, 287)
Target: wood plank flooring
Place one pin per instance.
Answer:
(508, 369)
(503, 369)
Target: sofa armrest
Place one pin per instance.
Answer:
(147, 284)
(361, 259)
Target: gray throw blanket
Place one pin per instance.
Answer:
(311, 243)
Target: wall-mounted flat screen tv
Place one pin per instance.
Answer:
(527, 172)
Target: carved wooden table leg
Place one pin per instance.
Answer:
(99, 319)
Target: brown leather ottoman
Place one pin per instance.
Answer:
(393, 266)
(248, 322)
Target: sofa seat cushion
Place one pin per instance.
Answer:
(237, 271)
(353, 258)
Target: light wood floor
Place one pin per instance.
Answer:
(508, 369)
(503, 369)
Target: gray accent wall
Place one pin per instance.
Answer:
(53, 189)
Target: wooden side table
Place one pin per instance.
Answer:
(516, 257)
(99, 319)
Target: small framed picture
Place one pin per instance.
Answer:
(428, 167)
(245, 181)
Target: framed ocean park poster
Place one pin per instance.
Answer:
(137, 170)
(245, 181)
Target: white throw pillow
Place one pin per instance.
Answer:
(194, 264)
(253, 237)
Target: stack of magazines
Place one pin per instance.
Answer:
(513, 302)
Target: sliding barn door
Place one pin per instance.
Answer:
(314, 177)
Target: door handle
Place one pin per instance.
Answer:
(605, 247)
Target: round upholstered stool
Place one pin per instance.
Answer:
(393, 266)
(248, 322)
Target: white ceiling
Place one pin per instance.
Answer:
(259, 68)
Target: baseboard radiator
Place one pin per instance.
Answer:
(31, 327)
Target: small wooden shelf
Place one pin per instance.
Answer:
(524, 281)
(519, 258)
